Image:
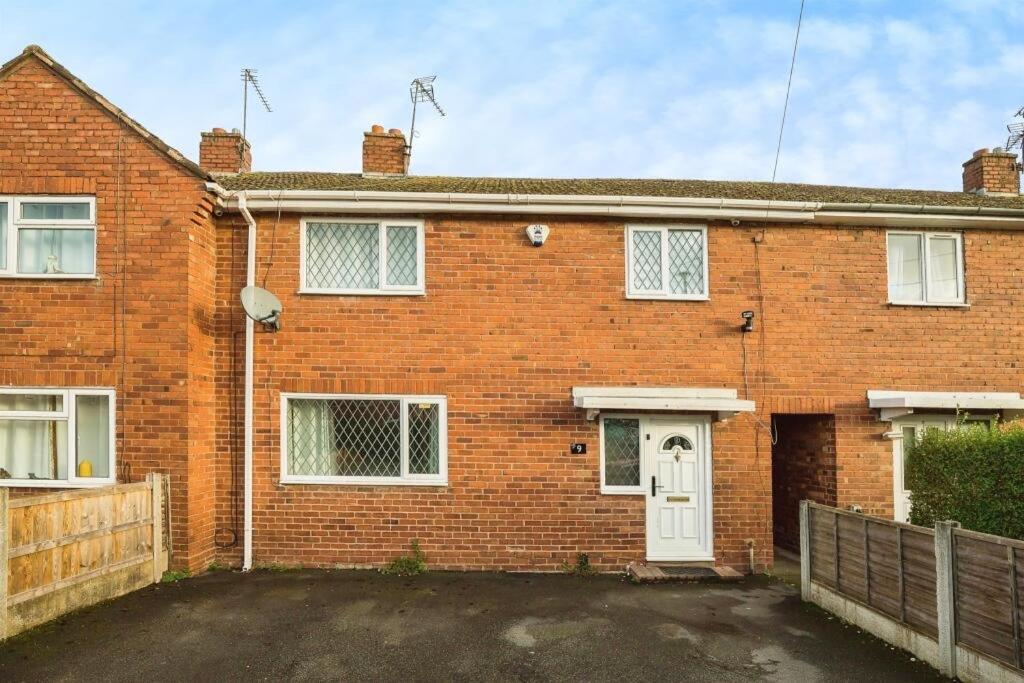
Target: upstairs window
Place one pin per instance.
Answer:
(56, 437)
(362, 257)
(926, 268)
(48, 237)
(668, 262)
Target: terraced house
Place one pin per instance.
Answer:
(512, 371)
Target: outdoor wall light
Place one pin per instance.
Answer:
(748, 321)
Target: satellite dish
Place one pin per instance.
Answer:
(261, 306)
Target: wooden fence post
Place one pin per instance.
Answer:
(805, 551)
(945, 594)
(157, 491)
(5, 561)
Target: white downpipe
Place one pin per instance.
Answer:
(250, 338)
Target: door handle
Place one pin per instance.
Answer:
(654, 487)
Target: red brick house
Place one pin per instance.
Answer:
(512, 371)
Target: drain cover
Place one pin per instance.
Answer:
(689, 572)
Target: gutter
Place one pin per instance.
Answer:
(696, 208)
(250, 338)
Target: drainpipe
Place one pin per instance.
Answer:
(250, 337)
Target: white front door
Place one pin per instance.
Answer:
(678, 489)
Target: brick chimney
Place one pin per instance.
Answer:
(992, 172)
(384, 153)
(221, 151)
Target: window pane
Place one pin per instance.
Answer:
(346, 438)
(424, 438)
(92, 424)
(909, 436)
(621, 452)
(33, 449)
(686, 261)
(673, 441)
(56, 251)
(3, 236)
(943, 269)
(55, 211)
(402, 256)
(342, 256)
(906, 274)
(646, 260)
(37, 403)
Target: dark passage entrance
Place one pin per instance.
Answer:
(803, 466)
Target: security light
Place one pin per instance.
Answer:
(748, 321)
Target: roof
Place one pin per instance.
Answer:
(38, 53)
(710, 189)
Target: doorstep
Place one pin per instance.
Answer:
(680, 571)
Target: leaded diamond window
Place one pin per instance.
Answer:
(361, 257)
(621, 452)
(667, 262)
(360, 439)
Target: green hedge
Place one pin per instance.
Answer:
(972, 475)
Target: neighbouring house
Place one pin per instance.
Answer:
(654, 370)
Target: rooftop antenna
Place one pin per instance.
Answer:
(420, 90)
(249, 77)
(1016, 130)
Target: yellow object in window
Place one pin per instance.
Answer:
(85, 468)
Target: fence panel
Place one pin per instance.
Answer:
(987, 594)
(70, 549)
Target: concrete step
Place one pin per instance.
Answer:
(680, 571)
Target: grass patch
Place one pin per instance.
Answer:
(408, 565)
(175, 575)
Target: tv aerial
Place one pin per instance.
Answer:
(262, 306)
(249, 77)
(1016, 130)
(421, 90)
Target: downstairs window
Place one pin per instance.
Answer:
(56, 437)
(357, 439)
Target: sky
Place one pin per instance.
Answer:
(885, 93)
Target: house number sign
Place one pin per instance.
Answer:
(578, 448)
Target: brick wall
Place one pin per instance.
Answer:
(803, 467)
(127, 328)
(506, 330)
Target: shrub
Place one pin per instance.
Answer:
(972, 475)
(408, 565)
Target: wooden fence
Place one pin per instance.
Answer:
(62, 551)
(953, 597)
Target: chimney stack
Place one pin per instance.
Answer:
(992, 172)
(384, 153)
(221, 151)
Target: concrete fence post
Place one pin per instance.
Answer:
(157, 492)
(805, 551)
(4, 560)
(945, 594)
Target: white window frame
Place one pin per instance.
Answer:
(607, 489)
(384, 289)
(66, 414)
(15, 223)
(405, 479)
(926, 252)
(663, 293)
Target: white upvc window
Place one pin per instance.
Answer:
(620, 454)
(361, 256)
(364, 439)
(57, 438)
(926, 268)
(52, 237)
(667, 262)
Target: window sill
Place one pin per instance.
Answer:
(925, 304)
(44, 276)
(340, 481)
(362, 292)
(622, 492)
(54, 484)
(649, 297)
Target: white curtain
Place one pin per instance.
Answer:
(906, 275)
(942, 264)
(55, 251)
(28, 449)
(310, 450)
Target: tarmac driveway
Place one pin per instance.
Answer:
(361, 625)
